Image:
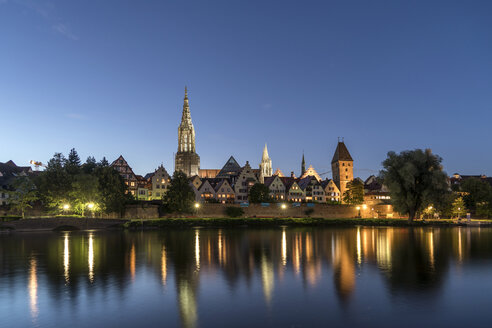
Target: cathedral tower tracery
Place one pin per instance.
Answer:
(187, 160)
(265, 165)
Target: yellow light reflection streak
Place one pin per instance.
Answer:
(66, 258)
(284, 248)
(220, 246)
(197, 249)
(132, 262)
(359, 255)
(33, 288)
(90, 257)
(163, 265)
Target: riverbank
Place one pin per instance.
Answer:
(272, 222)
(71, 223)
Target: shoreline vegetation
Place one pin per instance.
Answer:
(74, 223)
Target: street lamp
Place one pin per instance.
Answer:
(283, 206)
(91, 208)
(197, 205)
(358, 209)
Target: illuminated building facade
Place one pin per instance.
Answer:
(342, 167)
(265, 166)
(186, 160)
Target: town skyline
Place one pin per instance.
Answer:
(297, 78)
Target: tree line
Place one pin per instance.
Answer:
(69, 186)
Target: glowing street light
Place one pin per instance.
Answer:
(66, 207)
(364, 206)
(358, 209)
(197, 205)
(283, 206)
(90, 206)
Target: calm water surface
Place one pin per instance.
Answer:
(288, 277)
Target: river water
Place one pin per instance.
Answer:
(285, 277)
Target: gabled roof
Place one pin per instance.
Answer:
(303, 183)
(268, 180)
(326, 182)
(221, 183)
(230, 168)
(311, 172)
(288, 182)
(341, 153)
(279, 173)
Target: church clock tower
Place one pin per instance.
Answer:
(187, 160)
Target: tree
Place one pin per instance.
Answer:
(73, 163)
(85, 193)
(23, 194)
(477, 195)
(179, 197)
(54, 184)
(354, 195)
(90, 165)
(415, 180)
(259, 193)
(103, 162)
(112, 189)
(458, 207)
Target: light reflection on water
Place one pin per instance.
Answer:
(248, 277)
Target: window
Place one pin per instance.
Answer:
(158, 186)
(346, 177)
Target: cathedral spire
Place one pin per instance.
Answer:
(265, 154)
(186, 160)
(186, 117)
(303, 165)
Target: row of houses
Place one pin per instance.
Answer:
(232, 184)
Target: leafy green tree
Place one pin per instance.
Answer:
(112, 189)
(458, 207)
(85, 193)
(415, 180)
(354, 195)
(54, 184)
(89, 166)
(23, 194)
(477, 195)
(259, 193)
(179, 197)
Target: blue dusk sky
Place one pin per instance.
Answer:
(107, 78)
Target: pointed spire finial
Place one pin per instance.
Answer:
(186, 92)
(265, 153)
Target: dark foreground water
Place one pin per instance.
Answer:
(385, 277)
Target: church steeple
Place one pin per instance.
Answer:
(265, 154)
(303, 165)
(186, 158)
(265, 165)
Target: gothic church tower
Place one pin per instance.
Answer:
(265, 165)
(187, 160)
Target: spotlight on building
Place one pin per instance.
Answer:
(283, 206)
(90, 206)
(364, 206)
(197, 205)
(66, 207)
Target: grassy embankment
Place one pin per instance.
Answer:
(267, 222)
